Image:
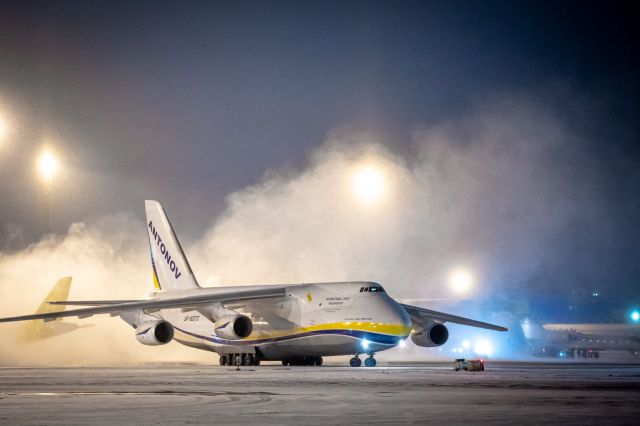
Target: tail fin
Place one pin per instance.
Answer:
(36, 330)
(171, 270)
(532, 330)
(59, 292)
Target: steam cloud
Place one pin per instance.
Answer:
(491, 191)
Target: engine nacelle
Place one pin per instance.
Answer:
(233, 327)
(432, 334)
(154, 333)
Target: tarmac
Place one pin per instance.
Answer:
(506, 393)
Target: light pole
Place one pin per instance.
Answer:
(48, 167)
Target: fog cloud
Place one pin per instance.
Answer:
(494, 192)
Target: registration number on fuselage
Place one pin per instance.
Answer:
(192, 318)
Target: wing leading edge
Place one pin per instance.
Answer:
(113, 308)
(421, 314)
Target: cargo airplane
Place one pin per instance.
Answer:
(297, 324)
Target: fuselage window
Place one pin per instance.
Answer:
(373, 289)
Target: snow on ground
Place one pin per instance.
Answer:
(517, 393)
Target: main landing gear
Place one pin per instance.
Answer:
(368, 362)
(238, 360)
(305, 360)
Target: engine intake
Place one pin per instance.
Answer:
(233, 327)
(431, 335)
(154, 333)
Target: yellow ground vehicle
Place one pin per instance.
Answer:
(468, 364)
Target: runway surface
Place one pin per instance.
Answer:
(504, 394)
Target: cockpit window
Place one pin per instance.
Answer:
(372, 289)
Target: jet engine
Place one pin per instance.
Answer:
(430, 334)
(233, 327)
(154, 333)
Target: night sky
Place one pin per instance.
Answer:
(187, 102)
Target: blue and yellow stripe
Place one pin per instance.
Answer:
(384, 334)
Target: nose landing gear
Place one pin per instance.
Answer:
(368, 362)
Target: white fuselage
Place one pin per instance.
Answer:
(321, 319)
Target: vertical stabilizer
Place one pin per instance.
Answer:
(171, 270)
(35, 330)
(60, 292)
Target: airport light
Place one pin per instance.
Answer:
(483, 347)
(635, 316)
(4, 129)
(460, 281)
(48, 166)
(369, 184)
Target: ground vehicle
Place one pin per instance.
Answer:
(468, 364)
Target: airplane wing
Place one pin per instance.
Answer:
(92, 302)
(419, 315)
(109, 307)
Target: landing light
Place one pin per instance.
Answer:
(402, 343)
(635, 316)
(365, 344)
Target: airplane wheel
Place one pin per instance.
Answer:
(370, 362)
(355, 362)
(238, 360)
(223, 360)
(249, 360)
